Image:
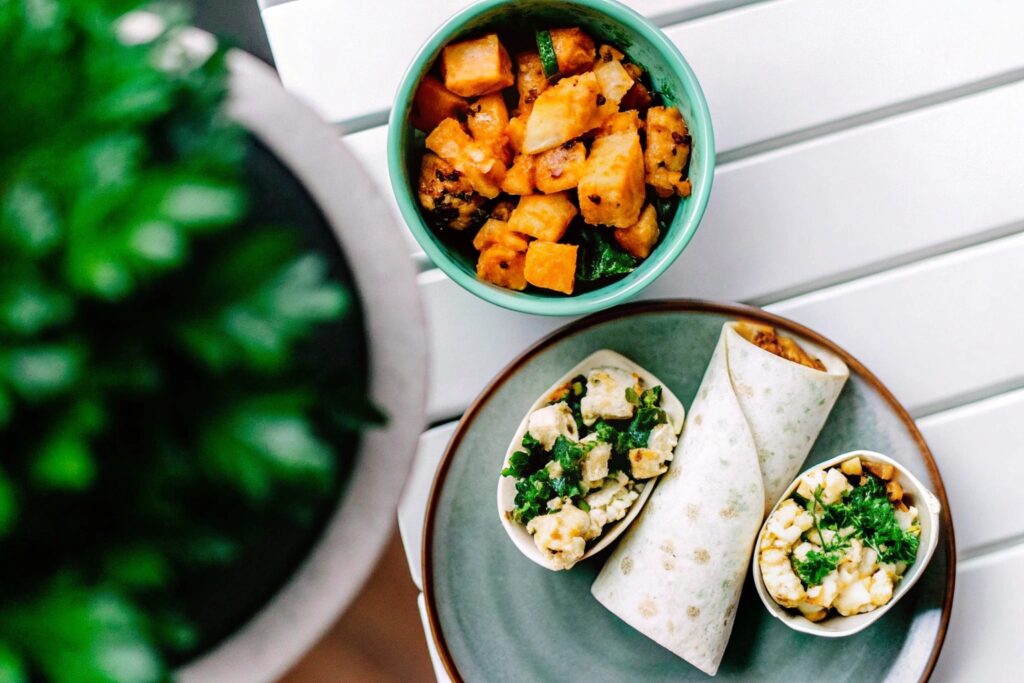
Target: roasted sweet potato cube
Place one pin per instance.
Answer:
(563, 112)
(515, 131)
(447, 196)
(433, 103)
(487, 120)
(502, 211)
(894, 491)
(543, 216)
(476, 67)
(611, 191)
(497, 232)
(638, 98)
(551, 266)
(473, 159)
(502, 266)
(639, 239)
(668, 149)
(882, 470)
(574, 50)
(621, 122)
(521, 176)
(607, 53)
(530, 80)
(561, 168)
(851, 467)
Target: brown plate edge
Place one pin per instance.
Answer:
(733, 310)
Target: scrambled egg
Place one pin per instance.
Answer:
(651, 461)
(606, 395)
(548, 423)
(562, 536)
(594, 467)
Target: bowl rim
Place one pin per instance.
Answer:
(654, 306)
(614, 292)
(929, 504)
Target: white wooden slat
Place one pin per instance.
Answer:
(768, 69)
(978, 449)
(435, 660)
(328, 51)
(413, 506)
(983, 642)
(792, 220)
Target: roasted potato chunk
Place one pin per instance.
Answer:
(521, 176)
(668, 149)
(497, 232)
(515, 131)
(433, 103)
(530, 81)
(639, 239)
(607, 53)
(882, 470)
(487, 120)
(551, 266)
(611, 191)
(563, 112)
(543, 216)
(614, 80)
(502, 266)
(621, 122)
(851, 467)
(474, 160)
(447, 196)
(560, 168)
(574, 50)
(476, 67)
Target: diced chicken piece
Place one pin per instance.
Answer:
(594, 467)
(639, 239)
(881, 588)
(447, 196)
(668, 149)
(530, 81)
(851, 467)
(550, 265)
(562, 535)
(854, 598)
(548, 423)
(521, 177)
(561, 113)
(561, 168)
(433, 103)
(497, 232)
(502, 266)
(824, 594)
(574, 50)
(487, 120)
(606, 395)
(474, 160)
(663, 439)
(646, 463)
(476, 67)
(611, 191)
(543, 216)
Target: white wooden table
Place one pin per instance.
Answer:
(870, 185)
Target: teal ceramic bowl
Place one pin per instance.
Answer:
(608, 22)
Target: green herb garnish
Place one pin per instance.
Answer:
(598, 257)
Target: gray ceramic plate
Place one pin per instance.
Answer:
(496, 616)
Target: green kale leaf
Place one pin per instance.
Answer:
(599, 257)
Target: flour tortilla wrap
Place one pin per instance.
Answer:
(677, 574)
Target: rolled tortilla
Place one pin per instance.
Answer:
(677, 574)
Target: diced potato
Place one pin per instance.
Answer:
(543, 216)
(562, 112)
(497, 232)
(502, 266)
(515, 131)
(668, 148)
(639, 239)
(611, 191)
(607, 53)
(561, 168)
(882, 470)
(894, 491)
(530, 81)
(621, 122)
(450, 142)
(851, 467)
(433, 103)
(476, 67)
(487, 121)
(521, 177)
(447, 196)
(574, 50)
(551, 266)
(614, 80)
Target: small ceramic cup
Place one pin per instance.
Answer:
(608, 22)
(837, 626)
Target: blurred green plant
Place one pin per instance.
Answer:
(154, 407)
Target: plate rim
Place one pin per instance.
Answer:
(673, 305)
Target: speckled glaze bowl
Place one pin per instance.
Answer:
(928, 509)
(607, 21)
